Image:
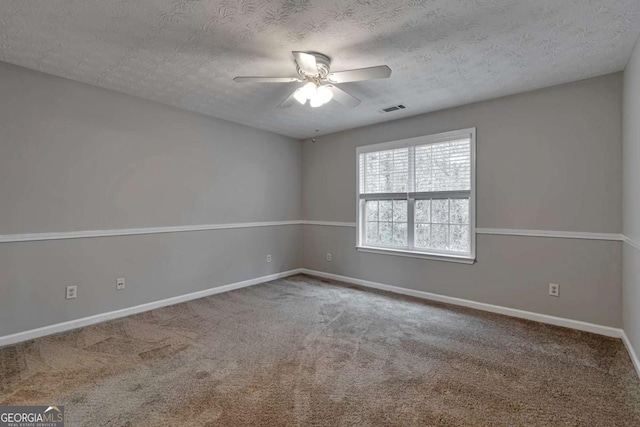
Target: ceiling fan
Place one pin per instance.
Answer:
(320, 88)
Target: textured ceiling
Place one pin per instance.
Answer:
(443, 53)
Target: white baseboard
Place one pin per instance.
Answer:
(542, 318)
(537, 317)
(103, 317)
(632, 353)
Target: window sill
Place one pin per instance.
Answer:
(448, 258)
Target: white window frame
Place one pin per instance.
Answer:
(412, 196)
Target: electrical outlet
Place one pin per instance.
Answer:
(554, 290)
(268, 258)
(329, 257)
(120, 284)
(72, 292)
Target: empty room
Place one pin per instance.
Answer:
(319, 213)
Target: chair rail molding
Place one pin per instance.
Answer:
(631, 242)
(29, 237)
(510, 232)
(83, 234)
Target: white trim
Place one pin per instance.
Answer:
(551, 233)
(329, 223)
(461, 134)
(8, 238)
(472, 198)
(515, 232)
(632, 353)
(103, 317)
(536, 317)
(418, 195)
(631, 243)
(29, 237)
(413, 254)
(418, 140)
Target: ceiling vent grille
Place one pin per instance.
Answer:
(393, 108)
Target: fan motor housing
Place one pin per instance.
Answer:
(323, 63)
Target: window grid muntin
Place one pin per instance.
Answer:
(449, 224)
(394, 221)
(412, 225)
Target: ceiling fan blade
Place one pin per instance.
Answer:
(306, 62)
(266, 79)
(288, 101)
(371, 73)
(343, 97)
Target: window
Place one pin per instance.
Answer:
(416, 197)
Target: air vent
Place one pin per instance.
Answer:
(393, 108)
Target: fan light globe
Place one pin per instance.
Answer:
(309, 90)
(317, 95)
(316, 102)
(324, 94)
(300, 96)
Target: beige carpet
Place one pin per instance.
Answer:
(301, 351)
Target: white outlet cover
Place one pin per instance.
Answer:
(268, 258)
(72, 292)
(554, 290)
(328, 257)
(120, 283)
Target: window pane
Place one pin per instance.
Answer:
(422, 211)
(386, 223)
(372, 210)
(400, 211)
(373, 237)
(444, 166)
(459, 211)
(386, 233)
(459, 238)
(386, 171)
(386, 210)
(399, 234)
(444, 227)
(361, 173)
(440, 211)
(422, 236)
(372, 172)
(439, 236)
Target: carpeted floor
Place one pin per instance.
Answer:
(301, 351)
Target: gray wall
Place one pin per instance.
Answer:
(76, 157)
(631, 210)
(546, 160)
